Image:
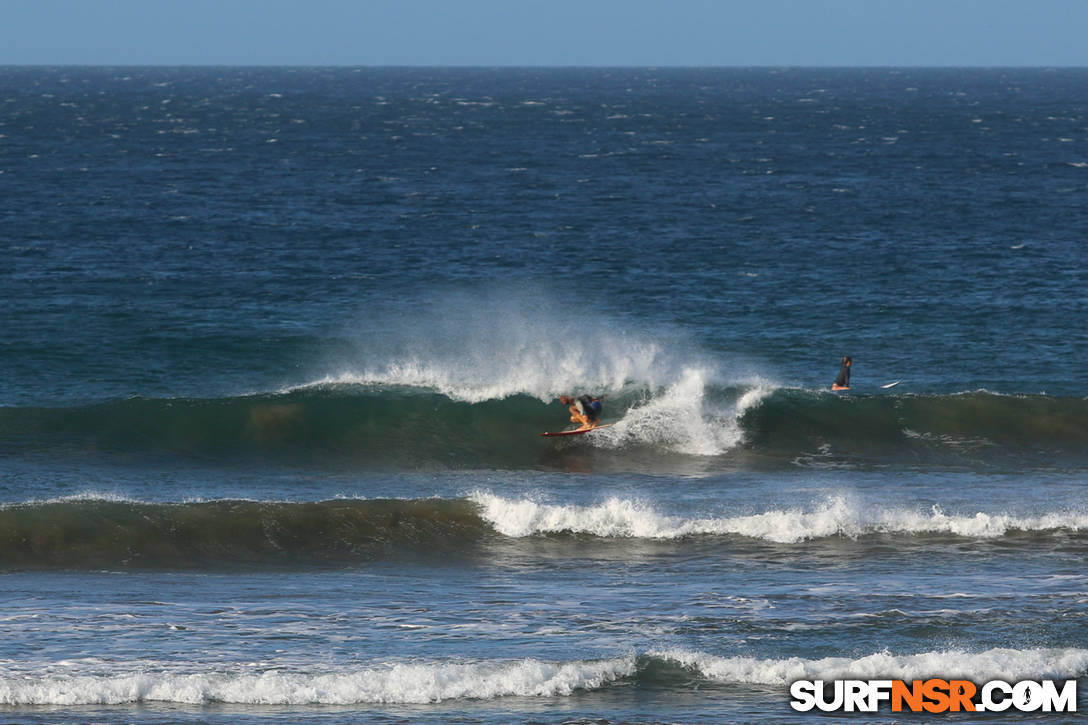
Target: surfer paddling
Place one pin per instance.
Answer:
(585, 410)
(842, 382)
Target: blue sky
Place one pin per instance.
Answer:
(546, 32)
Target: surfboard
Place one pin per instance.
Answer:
(575, 432)
(891, 385)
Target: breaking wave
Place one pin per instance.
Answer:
(384, 426)
(430, 682)
(835, 516)
(111, 533)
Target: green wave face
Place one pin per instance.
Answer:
(710, 427)
(126, 534)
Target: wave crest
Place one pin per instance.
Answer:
(994, 664)
(430, 682)
(692, 423)
(834, 516)
(89, 532)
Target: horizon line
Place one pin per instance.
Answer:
(571, 66)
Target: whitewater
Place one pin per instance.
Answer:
(270, 413)
(92, 529)
(836, 516)
(423, 683)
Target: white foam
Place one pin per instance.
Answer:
(682, 419)
(507, 342)
(613, 518)
(981, 524)
(393, 684)
(677, 417)
(66, 683)
(994, 664)
(832, 516)
(85, 496)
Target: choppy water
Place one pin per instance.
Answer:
(277, 345)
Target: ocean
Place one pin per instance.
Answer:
(277, 345)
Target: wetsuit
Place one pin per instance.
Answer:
(589, 406)
(843, 381)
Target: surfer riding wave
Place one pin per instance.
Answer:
(842, 382)
(585, 410)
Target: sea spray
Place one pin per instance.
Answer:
(504, 340)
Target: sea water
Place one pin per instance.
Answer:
(277, 346)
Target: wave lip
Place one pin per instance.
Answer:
(691, 422)
(86, 531)
(833, 516)
(993, 664)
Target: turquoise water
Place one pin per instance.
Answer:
(278, 344)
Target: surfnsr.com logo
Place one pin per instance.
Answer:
(933, 696)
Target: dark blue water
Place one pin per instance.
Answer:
(277, 345)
